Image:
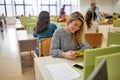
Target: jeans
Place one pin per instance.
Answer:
(36, 50)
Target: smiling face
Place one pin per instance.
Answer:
(75, 23)
(63, 15)
(74, 26)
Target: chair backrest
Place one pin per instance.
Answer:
(113, 38)
(44, 46)
(94, 39)
(116, 23)
(30, 27)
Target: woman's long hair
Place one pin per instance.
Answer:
(43, 22)
(88, 19)
(78, 36)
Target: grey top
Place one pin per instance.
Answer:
(62, 42)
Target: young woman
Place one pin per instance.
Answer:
(92, 26)
(43, 29)
(62, 17)
(67, 40)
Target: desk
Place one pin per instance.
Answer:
(116, 23)
(25, 43)
(114, 29)
(42, 73)
(11, 20)
(104, 30)
(19, 26)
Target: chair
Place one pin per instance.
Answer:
(116, 23)
(44, 47)
(30, 27)
(113, 38)
(94, 39)
(61, 24)
(27, 21)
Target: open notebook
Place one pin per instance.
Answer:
(62, 71)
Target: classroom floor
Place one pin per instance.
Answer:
(10, 66)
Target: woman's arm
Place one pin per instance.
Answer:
(58, 44)
(55, 45)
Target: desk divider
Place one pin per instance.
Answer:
(113, 65)
(90, 55)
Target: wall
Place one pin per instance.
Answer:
(116, 6)
(108, 6)
(84, 5)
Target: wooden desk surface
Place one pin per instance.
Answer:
(22, 35)
(19, 26)
(26, 42)
(114, 29)
(42, 73)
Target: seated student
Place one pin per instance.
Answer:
(43, 29)
(66, 41)
(92, 26)
(61, 18)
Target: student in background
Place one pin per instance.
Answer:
(62, 17)
(43, 29)
(67, 40)
(92, 26)
(62, 10)
(95, 11)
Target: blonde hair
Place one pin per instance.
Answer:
(78, 36)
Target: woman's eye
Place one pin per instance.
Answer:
(75, 24)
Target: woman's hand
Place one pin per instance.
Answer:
(69, 54)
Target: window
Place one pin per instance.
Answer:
(53, 6)
(24, 7)
(34, 7)
(2, 7)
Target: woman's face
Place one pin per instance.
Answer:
(74, 26)
(63, 15)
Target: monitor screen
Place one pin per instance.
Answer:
(100, 72)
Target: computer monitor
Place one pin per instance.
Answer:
(91, 54)
(100, 72)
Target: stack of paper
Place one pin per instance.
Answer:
(62, 71)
